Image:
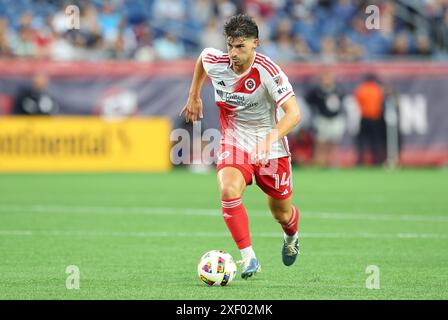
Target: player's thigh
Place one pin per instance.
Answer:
(231, 182)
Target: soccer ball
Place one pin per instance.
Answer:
(217, 268)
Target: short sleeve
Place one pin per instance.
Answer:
(277, 83)
(213, 61)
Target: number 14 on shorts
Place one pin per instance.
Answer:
(284, 181)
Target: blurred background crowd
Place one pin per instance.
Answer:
(290, 30)
(387, 102)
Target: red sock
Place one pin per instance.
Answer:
(237, 221)
(293, 224)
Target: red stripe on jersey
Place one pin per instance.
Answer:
(268, 62)
(214, 58)
(283, 97)
(218, 61)
(265, 66)
(211, 57)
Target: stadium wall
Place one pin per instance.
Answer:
(161, 89)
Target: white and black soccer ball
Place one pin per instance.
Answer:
(216, 268)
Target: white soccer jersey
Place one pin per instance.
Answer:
(248, 103)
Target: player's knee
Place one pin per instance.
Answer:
(281, 216)
(230, 192)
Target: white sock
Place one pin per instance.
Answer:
(247, 253)
(291, 239)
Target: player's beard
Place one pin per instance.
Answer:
(239, 62)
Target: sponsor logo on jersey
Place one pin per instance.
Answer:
(250, 84)
(282, 90)
(222, 83)
(231, 98)
(278, 80)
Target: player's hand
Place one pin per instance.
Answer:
(192, 110)
(260, 154)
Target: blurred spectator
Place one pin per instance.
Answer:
(145, 49)
(444, 30)
(283, 49)
(5, 38)
(26, 20)
(170, 10)
(59, 20)
(44, 38)
(225, 9)
(301, 49)
(344, 10)
(125, 43)
(119, 50)
(63, 50)
(212, 36)
(263, 29)
(202, 12)
(372, 42)
(401, 44)
(109, 20)
(328, 52)
(35, 100)
(319, 30)
(23, 45)
(387, 21)
(169, 48)
(264, 8)
(299, 9)
(422, 45)
(349, 51)
(370, 98)
(90, 27)
(325, 101)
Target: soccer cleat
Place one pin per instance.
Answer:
(250, 267)
(290, 252)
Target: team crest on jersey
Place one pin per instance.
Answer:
(250, 84)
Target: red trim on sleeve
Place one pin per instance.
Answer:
(288, 94)
(217, 61)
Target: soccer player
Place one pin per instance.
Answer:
(250, 90)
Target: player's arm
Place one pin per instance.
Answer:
(193, 107)
(284, 126)
(287, 122)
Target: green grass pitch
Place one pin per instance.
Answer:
(140, 235)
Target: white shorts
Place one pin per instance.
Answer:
(329, 129)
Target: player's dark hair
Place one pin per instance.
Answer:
(241, 25)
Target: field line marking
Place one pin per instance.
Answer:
(40, 208)
(161, 234)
